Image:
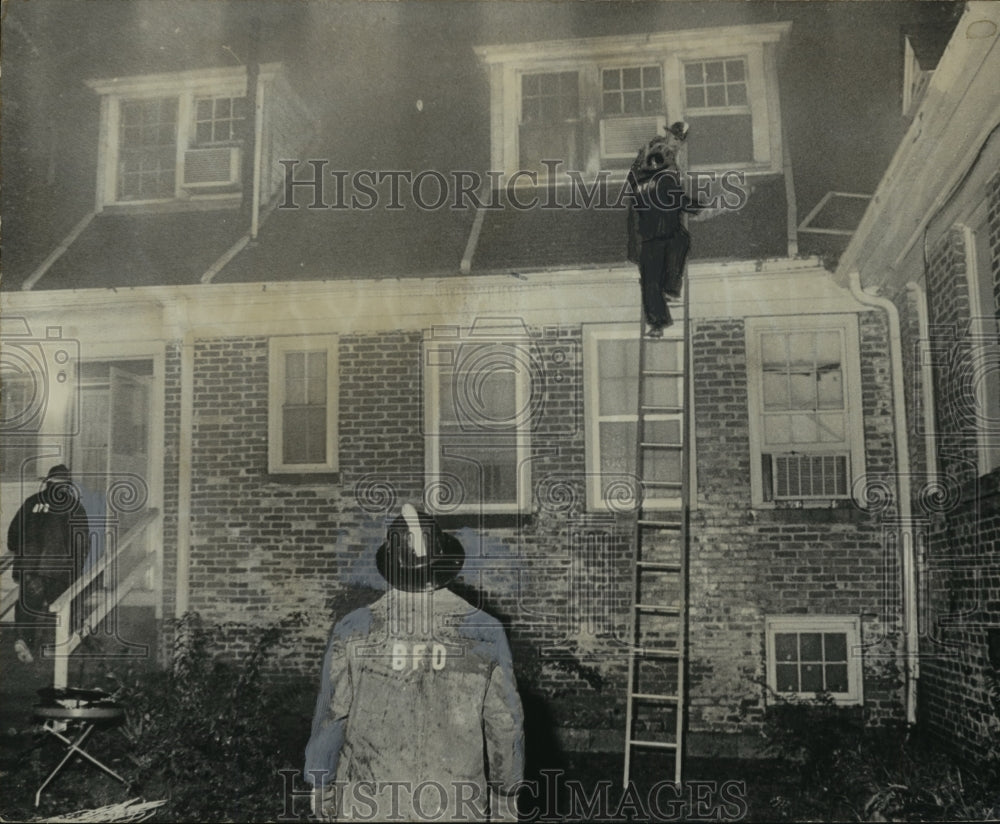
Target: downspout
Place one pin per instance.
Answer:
(906, 543)
(185, 454)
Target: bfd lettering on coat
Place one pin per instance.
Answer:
(421, 656)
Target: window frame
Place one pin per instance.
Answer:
(978, 279)
(278, 348)
(593, 335)
(849, 625)
(854, 441)
(668, 50)
(435, 478)
(186, 88)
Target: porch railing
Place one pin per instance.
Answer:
(70, 633)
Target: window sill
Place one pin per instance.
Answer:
(303, 478)
(489, 520)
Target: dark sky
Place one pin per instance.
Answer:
(361, 67)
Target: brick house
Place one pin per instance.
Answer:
(934, 267)
(252, 349)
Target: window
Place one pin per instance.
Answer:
(985, 372)
(550, 112)
(147, 154)
(219, 119)
(805, 417)
(807, 655)
(611, 363)
(302, 421)
(590, 103)
(478, 404)
(718, 108)
(174, 137)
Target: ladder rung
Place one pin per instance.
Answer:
(655, 445)
(646, 652)
(664, 410)
(663, 373)
(652, 696)
(666, 610)
(662, 484)
(660, 524)
(659, 566)
(660, 745)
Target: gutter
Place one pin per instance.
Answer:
(904, 505)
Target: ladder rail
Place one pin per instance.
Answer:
(676, 523)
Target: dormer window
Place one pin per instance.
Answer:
(179, 139)
(587, 105)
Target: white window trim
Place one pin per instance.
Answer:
(185, 87)
(432, 437)
(847, 324)
(978, 221)
(593, 334)
(670, 50)
(850, 625)
(276, 350)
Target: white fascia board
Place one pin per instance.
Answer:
(958, 112)
(194, 79)
(633, 45)
(729, 289)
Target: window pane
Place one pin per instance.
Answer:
(652, 101)
(695, 97)
(693, 74)
(810, 646)
(632, 102)
(803, 390)
(611, 79)
(835, 646)
(486, 475)
(786, 677)
(612, 103)
(617, 447)
(804, 429)
(830, 388)
(631, 78)
(716, 95)
(812, 677)
(651, 77)
(774, 350)
(776, 393)
(737, 94)
(304, 435)
(317, 378)
(831, 428)
(836, 677)
(735, 70)
(715, 72)
(786, 646)
(777, 429)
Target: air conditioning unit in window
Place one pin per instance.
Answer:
(621, 137)
(800, 476)
(212, 166)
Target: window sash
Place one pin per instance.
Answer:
(717, 85)
(810, 654)
(806, 435)
(478, 425)
(632, 91)
(611, 360)
(219, 120)
(302, 420)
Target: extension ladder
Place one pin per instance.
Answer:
(655, 709)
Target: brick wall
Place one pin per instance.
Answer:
(747, 564)
(963, 555)
(265, 547)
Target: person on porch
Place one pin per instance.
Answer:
(48, 557)
(418, 716)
